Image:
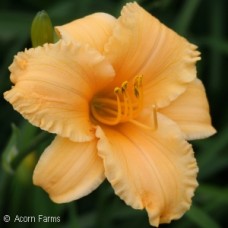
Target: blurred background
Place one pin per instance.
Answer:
(203, 22)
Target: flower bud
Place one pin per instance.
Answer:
(42, 29)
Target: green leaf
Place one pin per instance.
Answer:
(73, 215)
(183, 20)
(213, 149)
(23, 141)
(11, 151)
(201, 218)
(217, 196)
(14, 24)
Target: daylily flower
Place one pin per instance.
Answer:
(123, 98)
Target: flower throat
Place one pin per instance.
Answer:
(124, 106)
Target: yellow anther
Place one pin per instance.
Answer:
(138, 81)
(117, 90)
(138, 86)
(136, 91)
(124, 86)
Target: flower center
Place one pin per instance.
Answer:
(124, 105)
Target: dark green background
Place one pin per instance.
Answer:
(203, 22)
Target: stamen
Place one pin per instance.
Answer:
(117, 92)
(155, 118)
(126, 107)
(138, 91)
(155, 121)
(139, 124)
(124, 86)
(138, 81)
(106, 120)
(127, 101)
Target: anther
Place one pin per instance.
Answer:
(117, 90)
(124, 86)
(138, 85)
(138, 81)
(126, 100)
(136, 91)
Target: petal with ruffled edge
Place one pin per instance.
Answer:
(155, 170)
(94, 30)
(54, 85)
(69, 170)
(140, 44)
(191, 112)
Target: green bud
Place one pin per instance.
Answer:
(42, 29)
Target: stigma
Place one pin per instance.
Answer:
(124, 105)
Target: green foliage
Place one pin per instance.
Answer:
(202, 22)
(11, 151)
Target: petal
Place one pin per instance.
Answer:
(94, 30)
(191, 112)
(155, 170)
(140, 44)
(69, 170)
(54, 85)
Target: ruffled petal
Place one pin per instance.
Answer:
(155, 170)
(191, 112)
(54, 85)
(140, 44)
(69, 170)
(94, 30)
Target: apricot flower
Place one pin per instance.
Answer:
(123, 98)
